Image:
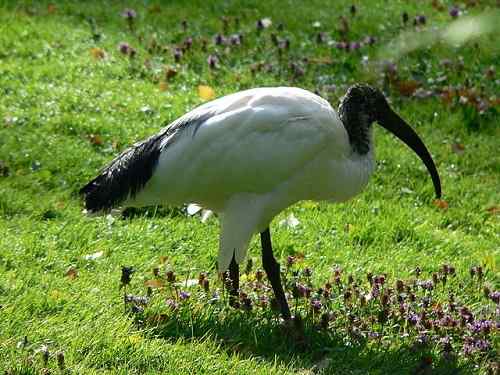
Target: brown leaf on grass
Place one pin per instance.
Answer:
(155, 283)
(440, 203)
(321, 60)
(407, 88)
(170, 73)
(51, 8)
(447, 95)
(458, 148)
(494, 210)
(96, 139)
(436, 4)
(206, 92)
(71, 273)
(97, 53)
(155, 8)
(299, 256)
(163, 86)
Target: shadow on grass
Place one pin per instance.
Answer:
(249, 336)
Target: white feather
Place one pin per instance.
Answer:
(261, 151)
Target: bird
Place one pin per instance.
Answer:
(249, 155)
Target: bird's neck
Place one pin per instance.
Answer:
(357, 123)
(359, 131)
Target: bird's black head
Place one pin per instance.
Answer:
(358, 109)
(361, 106)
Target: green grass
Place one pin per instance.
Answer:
(64, 114)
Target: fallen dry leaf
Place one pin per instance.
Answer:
(71, 273)
(494, 210)
(51, 8)
(440, 203)
(163, 86)
(458, 148)
(155, 283)
(206, 92)
(407, 88)
(97, 53)
(96, 139)
(170, 73)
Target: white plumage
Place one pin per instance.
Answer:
(249, 155)
(260, 152)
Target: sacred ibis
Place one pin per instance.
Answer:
(248, 156)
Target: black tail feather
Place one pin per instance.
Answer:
(132, 169)
(123, 177)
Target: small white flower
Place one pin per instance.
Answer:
(94, 256)
(290, 222)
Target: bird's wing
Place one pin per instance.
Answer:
(252, 147)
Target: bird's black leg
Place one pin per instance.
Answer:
(272, 269)
(234, 276)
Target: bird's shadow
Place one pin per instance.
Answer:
(251, 337)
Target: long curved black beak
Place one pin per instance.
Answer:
(397, 126)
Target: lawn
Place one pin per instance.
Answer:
(81, 81)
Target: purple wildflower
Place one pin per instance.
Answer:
(426, 302)
(420, 20)
(454, 11)
(447, 321)
(219, 39)
(369, 40)
(188, 43)
(177, 54)
(413, 318)
(354, 46)
(129, 14)
(466, 315)
(480, 326)
(124, 48)
(495, 296)
(341, 45)
(235, 39)
(303, 291)
(446, 343)
(427, 284)
(316, 305)
(173, 305)
(375, 292)
(290, 261)
(212, 61)
(137, 300)
(184, 295)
